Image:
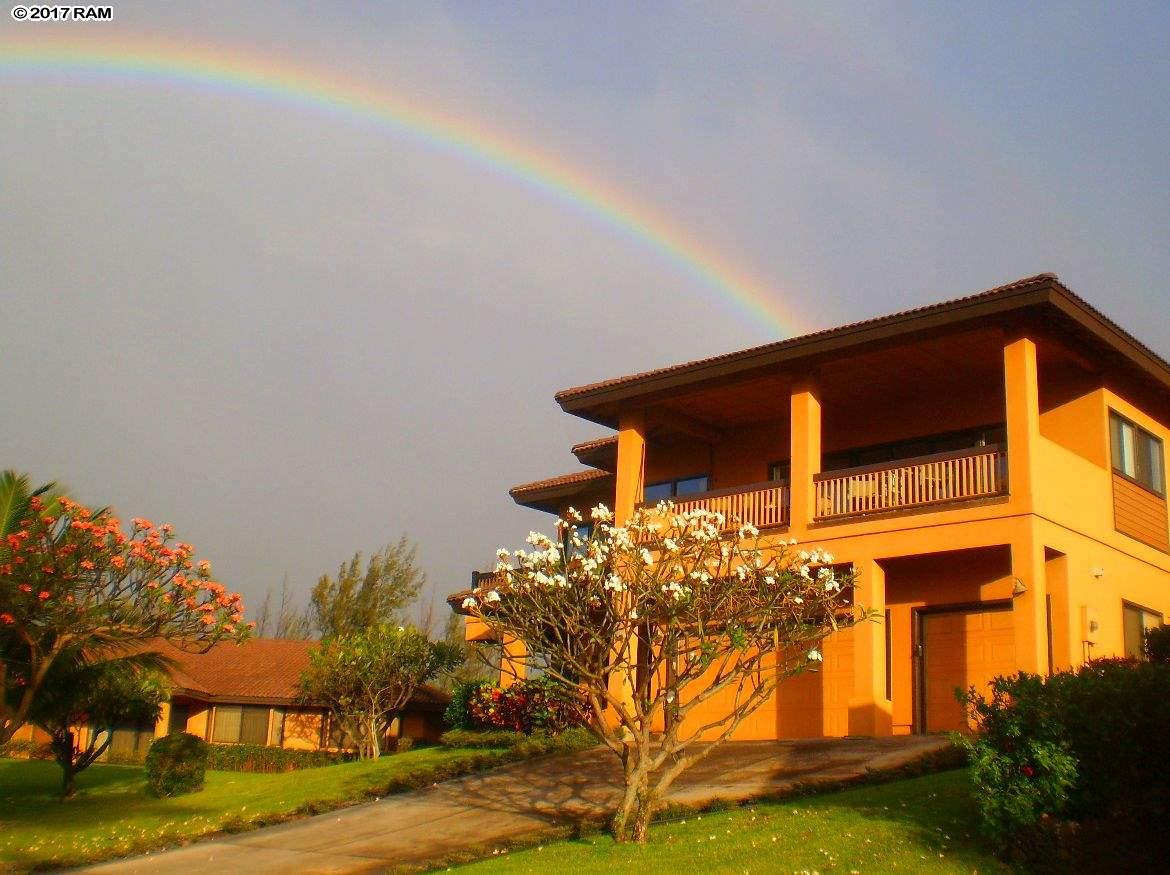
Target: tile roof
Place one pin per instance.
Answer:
(595, 444)
(1037, 283)
(585, 476)
(259, 669)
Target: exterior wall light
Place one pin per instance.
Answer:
(1018, 588)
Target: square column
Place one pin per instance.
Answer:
(805, 452)
(1022, 393)
(631, 465)
(513, 668)
(1029, 608)
(870, 712)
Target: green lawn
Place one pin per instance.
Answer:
(113, 815)
(922, 824)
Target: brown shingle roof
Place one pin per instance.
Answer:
(1043, 288)
(258, 670)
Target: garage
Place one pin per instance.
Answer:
(960, 647)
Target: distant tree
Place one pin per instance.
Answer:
(366, 677)
(76, 581)
(286, 620)
(359, 599)
(100, 696)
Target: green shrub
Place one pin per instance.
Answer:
(481, 738)
(456, 715)
(523, 745)
(403, 744)
(540, 704)
(26, 750)
(1082, 746)
(175, 764)
(262, 758)
(1157, 645)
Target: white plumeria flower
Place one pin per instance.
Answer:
(469, 602)
(798, 600)
(815, 656)
(634, 614)
(492, 596)
(647, 556)
(805, 573)
(602, 514)
(670, 545)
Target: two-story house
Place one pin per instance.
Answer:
(991, 467)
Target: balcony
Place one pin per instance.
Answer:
(764, 505)
(979, 472)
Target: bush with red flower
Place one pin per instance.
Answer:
(74, 579)
(541, 704)
(1073, 754)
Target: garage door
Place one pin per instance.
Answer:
(962, 649)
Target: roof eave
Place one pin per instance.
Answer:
(1041, 290)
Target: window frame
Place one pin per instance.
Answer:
(1153, 442)
(1142, 611)
(674, 482)
(240, 708)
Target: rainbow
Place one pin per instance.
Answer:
(155, 61)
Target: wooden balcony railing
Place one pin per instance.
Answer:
(908, 483)
(762, 504)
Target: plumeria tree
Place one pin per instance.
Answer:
(367, 676)
(655, 619)
(75, 580)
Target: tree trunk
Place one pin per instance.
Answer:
(375, 741)
(63, 753)
(632, 819)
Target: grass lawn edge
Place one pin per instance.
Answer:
(477, 761)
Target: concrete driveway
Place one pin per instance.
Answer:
(523, 800)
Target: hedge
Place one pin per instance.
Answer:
(262, 758)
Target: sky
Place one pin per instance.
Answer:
(296, 332)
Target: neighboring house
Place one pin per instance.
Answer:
(247, 694)
(992, 468)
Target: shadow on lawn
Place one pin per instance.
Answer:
(26, 780)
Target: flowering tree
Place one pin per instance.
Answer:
(366, 677)
(74, 580)
(657, 617)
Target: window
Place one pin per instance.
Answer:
(780, 472)
(240, 724)
(1136, 621)
(584, 531)
(880, 454)
(655, 492)
(1137, 454)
